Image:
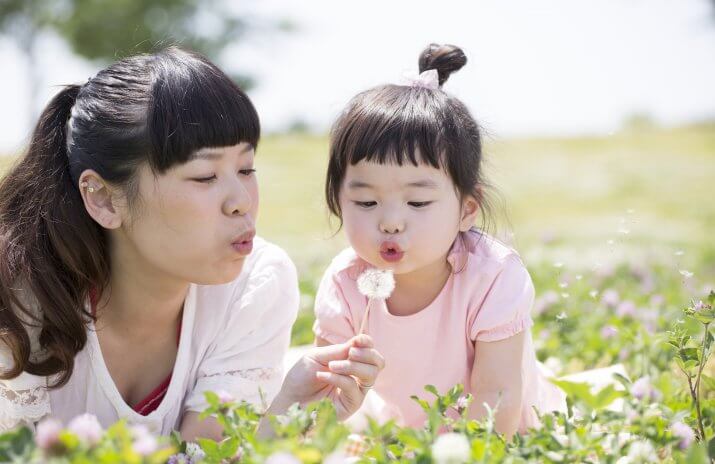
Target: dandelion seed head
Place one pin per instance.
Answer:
(376, 284)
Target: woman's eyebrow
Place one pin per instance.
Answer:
(209, 154)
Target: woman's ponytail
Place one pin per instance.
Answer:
(50, 249)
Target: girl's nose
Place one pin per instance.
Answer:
(392, 227)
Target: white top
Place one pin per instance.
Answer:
(233, 338)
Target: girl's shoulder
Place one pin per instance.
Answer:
(347, 265)
(480, 256)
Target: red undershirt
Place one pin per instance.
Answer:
(152, 401)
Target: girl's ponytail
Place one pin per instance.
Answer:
(50, 249)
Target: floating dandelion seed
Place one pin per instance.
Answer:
(686, 274)
(679, 253)
(375, 285)
(610, 242)
(558, 264)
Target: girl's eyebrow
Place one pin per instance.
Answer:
(357, 184)
(424, 183)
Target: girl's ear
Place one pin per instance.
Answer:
(99, 200)
(470, 208)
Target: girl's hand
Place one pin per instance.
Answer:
(344, 373)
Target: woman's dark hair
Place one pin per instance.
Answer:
(155, 109)
(400, 124)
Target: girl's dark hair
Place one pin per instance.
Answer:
(399, 124)
(155, 109)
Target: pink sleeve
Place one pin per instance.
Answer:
(332, 313)
(506, 308)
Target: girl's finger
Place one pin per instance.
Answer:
(365, 373)
(367, 355)
(361, 341)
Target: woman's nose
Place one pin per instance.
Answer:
(239, 200)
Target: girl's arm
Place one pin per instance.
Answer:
(497, 369)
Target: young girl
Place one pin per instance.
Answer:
(131, 279)
(405, 179)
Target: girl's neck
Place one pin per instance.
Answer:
(141, 300)
(414, 291)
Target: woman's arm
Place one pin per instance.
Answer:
(497, 370)
(192, 427)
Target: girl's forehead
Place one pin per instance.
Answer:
(367, 174)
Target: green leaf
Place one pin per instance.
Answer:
(432, 389)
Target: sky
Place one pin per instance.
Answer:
(553, 67)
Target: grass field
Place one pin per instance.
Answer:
(589, 203)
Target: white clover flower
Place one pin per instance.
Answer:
(225, 397)
(144, 442)
(87, 428)
(684, 432)
(195, 452)
(282, 457)
(642, 451)
(48, 433)
(451, 448)
(462, 402)
(642, 389)
(376, 284)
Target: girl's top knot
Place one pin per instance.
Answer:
(446, 59)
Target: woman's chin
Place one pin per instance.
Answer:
(221, 276)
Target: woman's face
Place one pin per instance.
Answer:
(196, 222)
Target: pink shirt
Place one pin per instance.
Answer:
(488, 297)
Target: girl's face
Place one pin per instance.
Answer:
(403, 218)
(196, 222)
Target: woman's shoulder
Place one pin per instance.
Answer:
(268, 269)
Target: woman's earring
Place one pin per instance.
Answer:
(85, 184)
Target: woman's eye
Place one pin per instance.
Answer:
(418, 204)
(206, 180)
(247, 172)
(365, 204)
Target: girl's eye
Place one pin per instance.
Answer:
(247, 172)
(418, 204)
(365, 204)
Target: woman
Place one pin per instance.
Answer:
(131, 279)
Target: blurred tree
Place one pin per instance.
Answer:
(105, 30)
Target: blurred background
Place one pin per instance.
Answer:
(599, 115)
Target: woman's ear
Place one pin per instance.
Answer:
(470, 208)
(99, 200)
